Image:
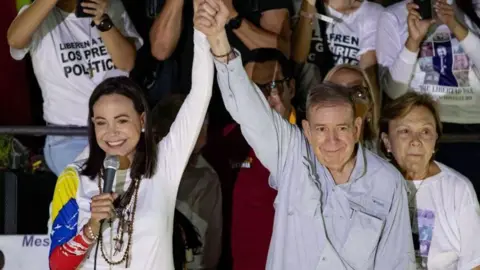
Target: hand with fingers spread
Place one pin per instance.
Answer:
(210, 17)
(101, 208)
(417, 27)
(97, 8)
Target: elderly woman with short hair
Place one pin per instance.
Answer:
(444, 208)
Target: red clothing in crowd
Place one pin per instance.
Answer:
(252, 219)
(252, 203)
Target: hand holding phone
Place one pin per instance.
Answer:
(92, 8)
(417, 25)
(425, 8)
(79, 10)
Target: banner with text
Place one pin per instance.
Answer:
(24, 252)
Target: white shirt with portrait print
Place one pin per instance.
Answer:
(444, 67)
(446, 221)
(66, 51)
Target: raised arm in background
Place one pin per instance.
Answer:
(302, 33)
(121, 49)
(265, 130)
(396, 57)
(274, 30)
(166, 29)
(21, 30)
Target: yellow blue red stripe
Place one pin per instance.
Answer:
(64, 217)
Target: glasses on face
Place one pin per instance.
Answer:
(360, 94)
(274, 88)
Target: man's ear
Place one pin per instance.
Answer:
(293, 89)
(306, 130)
(358, 128)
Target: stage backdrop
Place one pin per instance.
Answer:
(25, 252)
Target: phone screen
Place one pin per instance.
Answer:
(79, 10)
(425, 8)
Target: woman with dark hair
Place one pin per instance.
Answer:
(444, 208)
(139, 214)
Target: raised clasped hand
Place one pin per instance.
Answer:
(210, 16)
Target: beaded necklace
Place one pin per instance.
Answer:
(126, 215)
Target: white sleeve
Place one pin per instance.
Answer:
(123, 22)
(175, 148)
(368, 31)
(19, 54)
(470, 45)
(396, 62)
(468, 222)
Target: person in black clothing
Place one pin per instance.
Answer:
(186, 241)
(253, 24)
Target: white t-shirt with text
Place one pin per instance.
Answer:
(70, 59)
(446, 221)
(349, 37)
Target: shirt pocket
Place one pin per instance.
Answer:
(362, 239)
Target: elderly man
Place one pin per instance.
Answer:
(338, 205)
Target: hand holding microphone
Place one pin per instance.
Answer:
(101, 206)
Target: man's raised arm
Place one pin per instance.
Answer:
(265, 130)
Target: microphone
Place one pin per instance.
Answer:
(111, 165)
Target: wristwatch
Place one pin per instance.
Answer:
(235, 22)
(106, 24)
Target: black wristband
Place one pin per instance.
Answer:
(105, 25)
(235, 22)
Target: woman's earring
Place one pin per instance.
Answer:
(143, 129)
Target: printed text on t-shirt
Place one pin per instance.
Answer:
(79, 58)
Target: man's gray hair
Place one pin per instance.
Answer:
(330, 94)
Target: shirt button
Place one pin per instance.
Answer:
(324, 259)
(290, 212)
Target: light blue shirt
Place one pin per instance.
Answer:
(363, 224)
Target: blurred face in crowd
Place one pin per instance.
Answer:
(278, 90)
(118, 125)
(350, 77)
(346, 77)
(332, 131)
(411, 139)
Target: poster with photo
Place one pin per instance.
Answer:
(444, 70)
(422, 230)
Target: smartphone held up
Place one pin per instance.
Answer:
(79, 10)
(426, 9)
